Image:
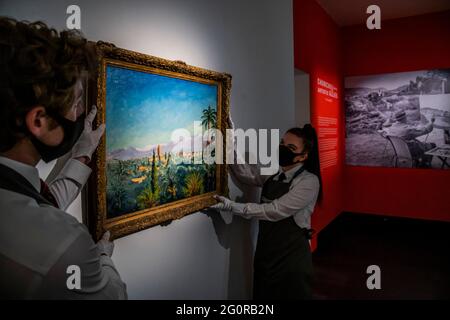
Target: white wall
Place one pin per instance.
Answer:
(196, 257)
(302, 99)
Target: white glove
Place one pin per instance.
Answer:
(230, 122)
(231, 126)
(231, 141)
(105, 246)
(89, 139)
(223, 204)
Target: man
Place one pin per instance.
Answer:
(46, 253)
(408, 131)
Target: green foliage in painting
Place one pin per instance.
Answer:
(194, 184)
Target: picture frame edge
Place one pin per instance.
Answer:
(96, 206)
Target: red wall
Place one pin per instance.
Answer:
(317, 52)
(405, 44)
(328, 52)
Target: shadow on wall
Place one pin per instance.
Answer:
(239, 236)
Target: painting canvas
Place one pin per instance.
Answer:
(398, 119)
(144, 167)
(156, 160)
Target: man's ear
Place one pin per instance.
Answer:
(36, 121)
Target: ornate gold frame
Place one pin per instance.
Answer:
(120, 226)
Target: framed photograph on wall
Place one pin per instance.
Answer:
(398, 119)
(143, 176)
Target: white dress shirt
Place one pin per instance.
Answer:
(299, 202)
(39, 242)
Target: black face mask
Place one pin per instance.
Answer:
(72, 131)
(286, 156)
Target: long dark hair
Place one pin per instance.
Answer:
(309, 136)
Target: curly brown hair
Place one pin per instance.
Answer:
(39, 66)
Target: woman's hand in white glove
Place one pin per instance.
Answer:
(231, 140)
(105, 246)
(230, 122)
(89, 139)
(223, 204)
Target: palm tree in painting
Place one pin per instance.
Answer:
(208, 121)
(194, 184)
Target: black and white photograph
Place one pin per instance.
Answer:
(398, 119)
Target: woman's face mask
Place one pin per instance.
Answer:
(286, 156)
(290, 148)
(72, 131)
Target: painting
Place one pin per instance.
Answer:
(156, 161)
(398, 119)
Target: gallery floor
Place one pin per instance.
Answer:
(413, 256)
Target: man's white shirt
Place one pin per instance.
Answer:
(39, 242)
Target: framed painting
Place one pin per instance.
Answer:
(143, 176)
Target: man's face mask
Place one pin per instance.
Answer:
(72, 131)
(286, 156)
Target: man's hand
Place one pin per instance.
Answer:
(223, 204)
(89, 139)
(105, 246)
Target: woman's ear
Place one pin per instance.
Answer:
(301, 158)
(305, 157)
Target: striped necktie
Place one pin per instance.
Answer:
(46, 193)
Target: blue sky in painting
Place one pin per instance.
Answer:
(143, 108)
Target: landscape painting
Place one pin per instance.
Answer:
(156, 160)
(398, 119)
(144, 167)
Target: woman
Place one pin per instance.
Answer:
(282, 263)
